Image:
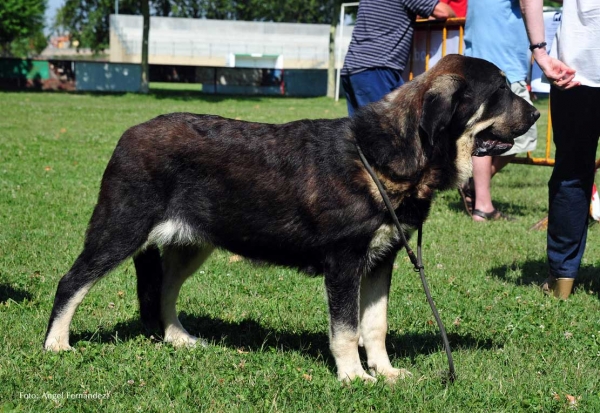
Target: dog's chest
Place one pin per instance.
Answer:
(383, 239)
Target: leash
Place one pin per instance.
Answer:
(417, 261)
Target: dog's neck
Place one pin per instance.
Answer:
(401, 164)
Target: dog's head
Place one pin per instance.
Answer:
(461, 107)
(431, 127)
(472, 97)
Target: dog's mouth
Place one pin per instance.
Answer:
(488, 144)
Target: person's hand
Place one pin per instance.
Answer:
(442, 12)
(558, 73)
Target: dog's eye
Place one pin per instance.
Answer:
(503, 86)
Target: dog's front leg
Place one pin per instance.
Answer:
(343, 300)
(374, 292)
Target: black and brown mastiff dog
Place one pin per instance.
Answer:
(294, 194)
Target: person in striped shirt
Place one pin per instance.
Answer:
(380, 47)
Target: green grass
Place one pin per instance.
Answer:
(514, 348)
(166, 86)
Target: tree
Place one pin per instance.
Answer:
(88, 21)
(187, 8)
(145, 86)
(27, 47)
(21, 25)
(336, 7)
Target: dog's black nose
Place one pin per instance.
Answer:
(535, 115)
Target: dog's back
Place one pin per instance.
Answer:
(273, 192)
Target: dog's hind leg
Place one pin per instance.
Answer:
(149, 274)
(114, 233)
(94, 262)
(374, 293)
(179, 263)
(343, 284)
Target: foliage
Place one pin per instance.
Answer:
(21, 25)
(515, 350)
(88, 21)
(26, 47)
(551, 3)
(309, 11)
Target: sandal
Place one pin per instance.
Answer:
(467, 193)
(494, 215)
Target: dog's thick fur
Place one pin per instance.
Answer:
(294, 194)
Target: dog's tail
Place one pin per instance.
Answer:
(149, 272)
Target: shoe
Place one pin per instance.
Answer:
(494, 215)
(467, 193)
(558, 287)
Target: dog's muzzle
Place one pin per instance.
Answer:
(487, 144)
(491, 148)
(492, 142)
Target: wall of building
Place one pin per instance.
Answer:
(91, 76)
(107, 77)
(202, 42)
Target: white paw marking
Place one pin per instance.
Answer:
(392, 374)
(347, 377)
(57, 345)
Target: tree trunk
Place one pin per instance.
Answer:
(331, 72)
(145, 85)
(331, 67)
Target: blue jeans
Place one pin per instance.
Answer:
(369, 86)
(576, 126)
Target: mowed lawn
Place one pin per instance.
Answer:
(514, 348)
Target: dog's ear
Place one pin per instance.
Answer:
(439, 104)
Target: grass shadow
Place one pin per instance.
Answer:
(9, 293)
(197, 95)
(163, 94)
(189, 95)
(514, 210)
(589, 279)
(252, 336)
(534, 272)
(412, 345)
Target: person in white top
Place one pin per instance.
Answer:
(575, 111)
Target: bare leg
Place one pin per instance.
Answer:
(484, 168)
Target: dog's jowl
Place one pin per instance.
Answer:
(294, 194)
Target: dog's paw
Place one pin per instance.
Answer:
(181, 338)
(57, 345)
(392, 374)
(347, 377)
